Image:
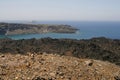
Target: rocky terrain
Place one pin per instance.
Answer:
(96, 48)
(15, 28)
(42, 66)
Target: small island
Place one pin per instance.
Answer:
(17, 28)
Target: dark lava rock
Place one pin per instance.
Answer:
(95, 48)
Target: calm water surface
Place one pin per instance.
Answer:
(87, 30)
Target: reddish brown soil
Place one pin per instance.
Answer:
(55, 67)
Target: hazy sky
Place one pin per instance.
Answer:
(78, 10)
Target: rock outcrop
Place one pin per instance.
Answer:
(97, 48)
(54, 67)
(14, 28)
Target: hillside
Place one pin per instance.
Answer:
(54, 67)
(96, 48)
(15, 28)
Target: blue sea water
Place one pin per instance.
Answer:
(87, 30)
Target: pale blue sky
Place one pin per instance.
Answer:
(77, 10)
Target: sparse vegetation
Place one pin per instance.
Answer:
(14, 28)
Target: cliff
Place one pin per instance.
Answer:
(14, 28)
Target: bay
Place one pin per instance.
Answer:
(86, 30)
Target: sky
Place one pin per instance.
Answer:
(60, 10)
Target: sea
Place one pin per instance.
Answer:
(87, 30)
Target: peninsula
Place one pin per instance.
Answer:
(15, 28)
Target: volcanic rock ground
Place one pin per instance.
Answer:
(55, 67)
(96, 48)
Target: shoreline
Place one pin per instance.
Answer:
(15, 28)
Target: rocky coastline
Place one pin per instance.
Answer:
(17, 28)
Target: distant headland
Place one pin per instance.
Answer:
(17, 28)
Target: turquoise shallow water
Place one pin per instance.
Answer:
(87, 30)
